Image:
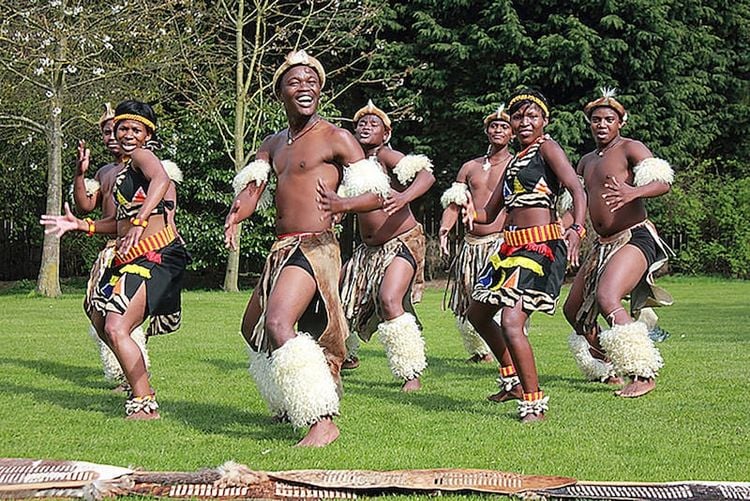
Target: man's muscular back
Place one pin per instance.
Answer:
(617, 162)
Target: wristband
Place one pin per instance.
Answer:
(92, 228)
(475, 214)
(139, 222)
(578, 229)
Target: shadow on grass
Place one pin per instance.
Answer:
(108, 404)
(86, 377)
(226, 365)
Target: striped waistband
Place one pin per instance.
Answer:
(532, 235)
(156, 241)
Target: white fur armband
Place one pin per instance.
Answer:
(410, 165)
(174, 172)
(565, 200)
(91, 185)
(456, 194)
(256, 171)
(362, 177)
(652, 169)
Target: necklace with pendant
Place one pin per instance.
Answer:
(611, 145)
(487, 164)
(290, 139)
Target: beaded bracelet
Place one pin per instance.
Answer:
(139, 222)
(578, 229)
(92, 228)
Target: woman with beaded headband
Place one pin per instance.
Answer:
(479, 177)
(145, 276)
(526, 274)
(619, 175)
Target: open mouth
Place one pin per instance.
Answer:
(305, 100)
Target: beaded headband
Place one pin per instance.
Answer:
(138, 118)
(533, 99)
(371, 109)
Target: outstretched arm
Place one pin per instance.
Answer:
(248, 185)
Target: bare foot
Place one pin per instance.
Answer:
(516, 393)
(321, 434)
(350, 363)
(477, 358)
(637, 387)
(143, 416)
(411, 385)
(531, 418)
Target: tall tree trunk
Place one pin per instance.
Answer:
(231, 276)
(48, 282)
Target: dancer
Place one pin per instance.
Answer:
(619, 175)
(526, 274)
(145, 275)
(479, 177)
(97, 192)
(384, 278)
(297, 370)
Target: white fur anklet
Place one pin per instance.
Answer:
(146, 403)
(535, 407)
(507, 383)
(593, 368)
(631, 350)
(300, 371)
(473, 342)
(404, 346)
(260, 371)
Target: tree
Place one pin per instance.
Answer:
(252, 38)
(61, 59)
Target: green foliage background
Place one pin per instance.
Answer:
(682, 69)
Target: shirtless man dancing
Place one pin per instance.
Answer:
(619, 175)
(294, 323)
(477, 177)
(385, 276)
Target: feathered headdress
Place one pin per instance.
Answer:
(498, 114)
(371, 109)
(608, 99)
(108, 114)
(299, 58)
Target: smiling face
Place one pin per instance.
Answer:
(370, 131)
(499, 133)
(109, 139)
(131, 134)
(528, 123)
(300, 90)
(605, 125)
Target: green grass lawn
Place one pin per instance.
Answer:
(54, 402)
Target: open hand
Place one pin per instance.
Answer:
(231, 227)
(130, 240)
(468, 212)
(84, 155)
(328, 200)
(573, 241)
(395, 202)
(617, 195)
(59, 225)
